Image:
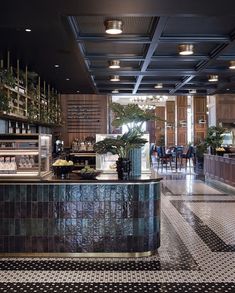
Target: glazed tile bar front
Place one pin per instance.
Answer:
(80, 218)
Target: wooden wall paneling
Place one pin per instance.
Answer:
(84, 115)
(225, 108)
(170, 118)
(200, 109)
(181, 109)
(159, 125)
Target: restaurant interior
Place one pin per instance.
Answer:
(117, 146)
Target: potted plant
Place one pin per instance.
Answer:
(121, 145)
(131, 116)
(214, 138)
(200, 150)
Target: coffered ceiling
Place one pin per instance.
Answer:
(72, 35)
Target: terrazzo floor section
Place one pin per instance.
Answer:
(197, 252)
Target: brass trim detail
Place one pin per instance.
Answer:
(81, 254)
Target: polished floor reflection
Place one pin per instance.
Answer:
(197, 252)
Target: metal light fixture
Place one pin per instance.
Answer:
(158, 86)
(114, 78)
(213, 78)
(114, 64)
(192, 91)
(185, 49)
(113, 26)
(232, 65)
(115, 91)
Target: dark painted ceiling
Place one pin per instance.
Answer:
(72, 34)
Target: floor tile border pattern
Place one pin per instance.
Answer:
(213, 241)
(117, 287)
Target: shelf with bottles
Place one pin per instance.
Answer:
(25, 155)
(18, 127)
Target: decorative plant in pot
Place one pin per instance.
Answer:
(200, 150)
(129, 143)
(214, 138)
(121, 145)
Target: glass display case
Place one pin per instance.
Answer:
(107, 162)
(25, 155)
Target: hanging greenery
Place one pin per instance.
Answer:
(4, 102)
(6, 77)
(33, 112)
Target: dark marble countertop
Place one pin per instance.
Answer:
(75, 178)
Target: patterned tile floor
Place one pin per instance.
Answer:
(197, 252)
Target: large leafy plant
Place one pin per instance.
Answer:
(131, 116)
(214, 136)
(120, 145)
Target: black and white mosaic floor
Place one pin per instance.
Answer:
(197, 252)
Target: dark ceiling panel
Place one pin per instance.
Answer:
(199, 25)
(71, 34)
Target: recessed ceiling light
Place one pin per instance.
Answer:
(115, 91)
(67, 78)
(192, 91)
(114, 78)
(28, 30)
(232, 65)
(113, 26)
(185, 49)
(56, 65)
(114, 64)
(158, 86)
(213, 78)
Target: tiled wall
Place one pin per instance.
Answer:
(79, 218)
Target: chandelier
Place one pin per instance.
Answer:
(148, 102)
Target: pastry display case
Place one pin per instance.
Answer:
(25, 155)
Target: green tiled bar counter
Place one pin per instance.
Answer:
(80, 218)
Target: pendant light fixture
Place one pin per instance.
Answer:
(192, 91)
(158, 86)
(114, 64)
(116, 91)
(114, 78)
(185, 49)
(213, 78)
(113, 26)
(232, 65)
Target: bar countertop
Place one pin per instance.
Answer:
(75, 178)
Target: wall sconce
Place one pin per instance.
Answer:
(113, 26)
(169, 125)
(202, 121)
(185, 49)
(232, 65)
(213, 78)
(114, 64)
(114, 78)
(158, 86)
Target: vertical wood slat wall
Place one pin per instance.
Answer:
(170, 117)
(159, 124)
(225, 108)
(200, 109)
(84, 115)
(181, 112)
